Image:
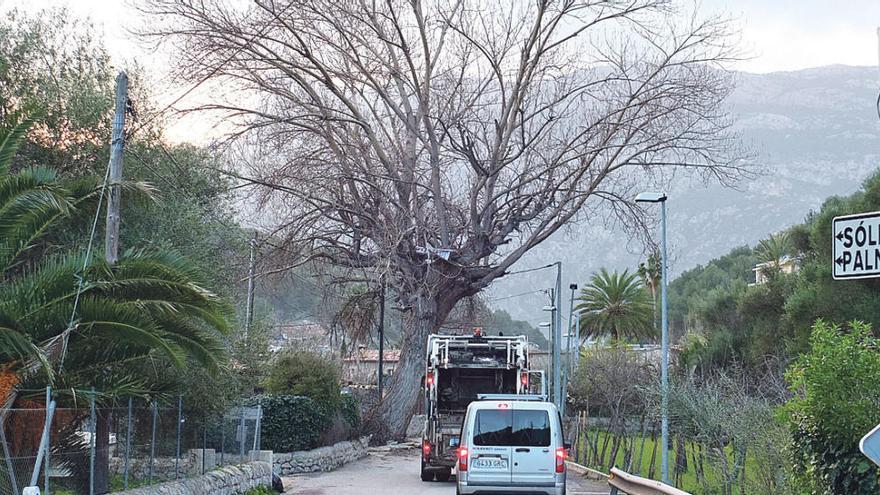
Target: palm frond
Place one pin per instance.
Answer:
(10, 140)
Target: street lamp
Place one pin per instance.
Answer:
(657, 197)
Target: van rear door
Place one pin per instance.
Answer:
(490, 451)
(534, 456)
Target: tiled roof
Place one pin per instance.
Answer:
(372, 355)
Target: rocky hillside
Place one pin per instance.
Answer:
(815, 133)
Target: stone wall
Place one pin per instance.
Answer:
(167, 468)
(320, 459)
(230, 480)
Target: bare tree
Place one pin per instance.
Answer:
(435, 142)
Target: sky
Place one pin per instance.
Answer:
(776, 35)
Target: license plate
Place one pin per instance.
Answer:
(489, 463)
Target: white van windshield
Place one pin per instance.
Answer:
(512, 428)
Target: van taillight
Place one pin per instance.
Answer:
(561, 454)
(429, 379)
(462, 458)
(426, 448)
(524, 380)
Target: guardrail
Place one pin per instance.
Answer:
(628, 483)
(636, 485)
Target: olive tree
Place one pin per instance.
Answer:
(433, 142)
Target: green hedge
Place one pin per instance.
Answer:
(350, 411)
(290, 422)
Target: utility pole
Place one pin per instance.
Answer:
(249, 305)
(381, 337)
(101, 421)
(557, 339)
(566, 372)
(114, 199)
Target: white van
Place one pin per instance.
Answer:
(511, 446)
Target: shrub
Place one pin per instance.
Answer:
(291, 423)
(350, 411)
(307, 375)
(837, 396)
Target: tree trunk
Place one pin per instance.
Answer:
(404, 388)
(102, 450)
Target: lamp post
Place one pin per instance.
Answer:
(656, 197)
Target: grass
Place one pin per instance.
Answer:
(686, 480)
(261, 490)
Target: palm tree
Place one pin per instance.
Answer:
(772, 252)
(148, 306)
(616, 304)
(774, 248)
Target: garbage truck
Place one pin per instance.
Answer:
(458, 369)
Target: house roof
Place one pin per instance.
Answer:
(782, 261)
(372, 355)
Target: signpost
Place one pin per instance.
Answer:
(870, 445)
(856, 254)
(856, 246)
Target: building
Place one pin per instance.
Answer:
(763, 271)
(360, 368)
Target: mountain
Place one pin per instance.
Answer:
(814, 133)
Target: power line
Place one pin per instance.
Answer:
(531, 269)
(545, 291)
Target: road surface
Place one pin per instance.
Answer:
(397, 473)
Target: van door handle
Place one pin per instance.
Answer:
(523, 450)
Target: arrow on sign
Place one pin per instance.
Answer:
(839, 260)
(839, 236)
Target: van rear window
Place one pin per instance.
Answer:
(512, 428)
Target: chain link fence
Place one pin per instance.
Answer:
(87, 448)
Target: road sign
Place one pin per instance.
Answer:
(870, 445)
(856, 240)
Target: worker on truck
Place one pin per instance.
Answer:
(459, 368)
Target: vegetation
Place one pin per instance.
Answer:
(751, 430)
(837, 396)
(616, 305)
(305, 374)
(159, 321)
(764, 325)
(260, 490)
(291, 423)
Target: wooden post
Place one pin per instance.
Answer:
(249, 305)
(101, 434)
(111, 236)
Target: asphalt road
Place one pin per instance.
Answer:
(396, 473)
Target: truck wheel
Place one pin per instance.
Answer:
(426, 475)
(444, 475)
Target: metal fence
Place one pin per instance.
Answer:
(79, 447)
